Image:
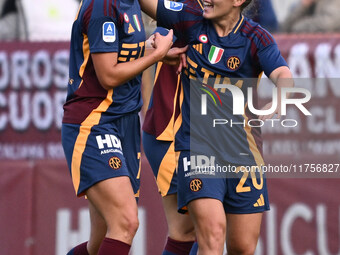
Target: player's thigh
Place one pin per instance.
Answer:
(114, 199)
(208, 216)
(243, 231)
(180, 225)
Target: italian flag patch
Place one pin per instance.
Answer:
(136, 21)
(215, 54)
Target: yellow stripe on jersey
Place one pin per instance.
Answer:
(259, 79)
(192, 63)
(137, 193)
(86, 55)
(239, 24)
(199, 2)
(122, 59)
(168, 133)
(84, 132)
(179, 120)
(166, 170)
(124, 52)
(158, 69)
(198, 47)
(80, 5)
(140, 165)
(252, 144)
(141, 44)
(129, 45)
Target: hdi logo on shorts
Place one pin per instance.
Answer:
(198, 164)
(110, 141)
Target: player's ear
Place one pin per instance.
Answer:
(238, 3)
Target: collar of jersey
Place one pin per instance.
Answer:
(233, 39)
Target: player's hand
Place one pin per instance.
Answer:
(182, 63)
(162, 44)
(270, 116)
(173, 57)
(150, 42)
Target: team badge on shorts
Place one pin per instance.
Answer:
(196, 185)
(233, 63)
(109, 32)
(115, 163)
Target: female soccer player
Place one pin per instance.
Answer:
(158, 142)
(224, 48)
(100, 131)
(159, 130)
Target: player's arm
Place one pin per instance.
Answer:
(282, 78)
(111, 74)
(149, 7)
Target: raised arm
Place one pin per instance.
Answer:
(149, 7)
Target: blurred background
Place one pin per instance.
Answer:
(39, 213)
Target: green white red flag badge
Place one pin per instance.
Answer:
(215, 54)
(136, 21)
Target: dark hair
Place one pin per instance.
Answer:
(245, 4)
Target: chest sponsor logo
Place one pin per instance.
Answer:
(109, 32)
(215, 54)
(233, 63)
(173, 6)
(137, 23)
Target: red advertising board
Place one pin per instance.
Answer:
(33, 83)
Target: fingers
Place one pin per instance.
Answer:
(170, 34)
(179, 51)
(179, 69)
(183, 60)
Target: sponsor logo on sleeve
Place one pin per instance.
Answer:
(173, 6)
(109, 32)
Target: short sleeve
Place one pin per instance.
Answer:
(268, 52)
(177, 16)
(270, 58)
(103, 35)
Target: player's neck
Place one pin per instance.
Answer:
(226, 24)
